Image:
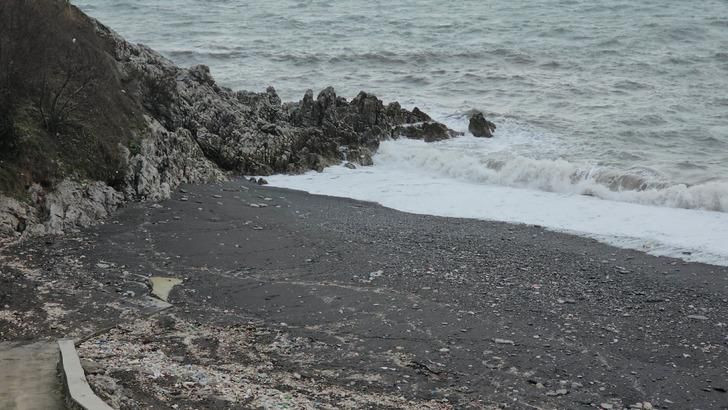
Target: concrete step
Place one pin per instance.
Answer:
(29, 376)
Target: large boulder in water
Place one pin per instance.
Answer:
(480, 127)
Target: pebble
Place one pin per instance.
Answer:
(503, 341)
(697, 317)
(606, 406)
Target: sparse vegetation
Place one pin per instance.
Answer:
(8, 77)
(158, 96)
(64, 110)
(64, 88)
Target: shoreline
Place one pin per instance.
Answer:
(691, 235)
(354, 304)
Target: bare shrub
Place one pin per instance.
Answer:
(63, 88)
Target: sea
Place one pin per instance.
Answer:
(612, 116)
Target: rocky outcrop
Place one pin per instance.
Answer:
(255, 133)
(72, 205)
(164, 161)
(480, 127)
(15, 216)
(182, 127)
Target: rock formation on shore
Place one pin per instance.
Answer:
(90, 121)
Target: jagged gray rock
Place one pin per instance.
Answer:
(166, 160)
(72, 205)
(15, 216)
(255, 133)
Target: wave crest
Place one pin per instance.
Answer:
(637, 185)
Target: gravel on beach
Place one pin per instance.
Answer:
(297, 300)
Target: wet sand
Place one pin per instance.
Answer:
(313, 301)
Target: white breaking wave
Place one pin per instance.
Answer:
(474, 160)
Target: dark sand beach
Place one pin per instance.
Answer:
(182, 291)
(291, 299)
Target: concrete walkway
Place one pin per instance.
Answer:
(29, 376)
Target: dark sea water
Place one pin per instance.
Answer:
(623, 101)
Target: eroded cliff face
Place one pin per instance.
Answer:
(165, 125)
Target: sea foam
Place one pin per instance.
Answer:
(473, 160)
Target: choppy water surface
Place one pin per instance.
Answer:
(624, 101)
